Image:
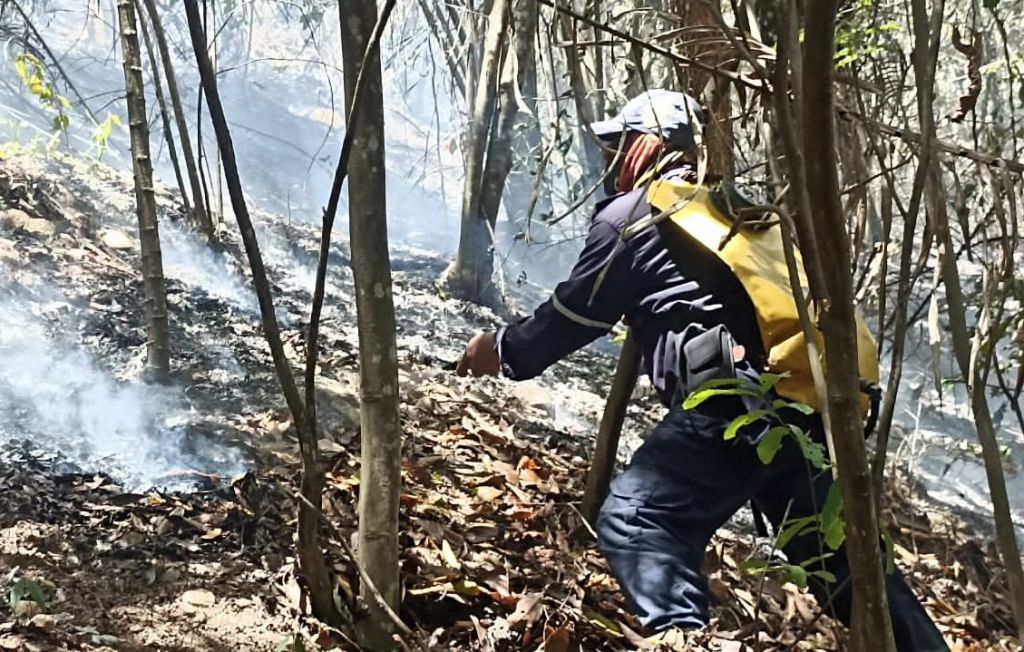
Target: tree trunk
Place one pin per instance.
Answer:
(871, 626)
(158, 344)
(971, 370)
(318, 580)
(380, 428)
(521, 180)
(601, 467)
(1006, 537)
(470, 276)
(165, 115)
(714, 89)
(925, 60)
(201, 215)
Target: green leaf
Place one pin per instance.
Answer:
(890, 550)
(701, 395)
(991, 4)
(807, 563)
(803, 408)
(103, 132)
(600, 620)
(832, 518)
(741, 421)
(27, 588)
(795, 527)
(753, 566)
(770, 444)
(716, 383)
(795, 574)
(60, 122)
(768, 381)
(824, 575)
(812, 450)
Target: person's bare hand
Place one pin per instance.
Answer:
(480, 357)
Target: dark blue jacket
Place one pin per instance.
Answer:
(666, 285)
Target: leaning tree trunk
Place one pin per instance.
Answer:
(971, 370)
(319, 583)
(500, 154)
(470, 275)
(158, 345)
(201, 215)
(871, 626)
(380, 428)
(602, 466)
(165, 116)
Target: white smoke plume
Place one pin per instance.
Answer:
(56, 395)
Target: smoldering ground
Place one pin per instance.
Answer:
(287, 121)
(55, 395)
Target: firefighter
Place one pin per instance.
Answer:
(698, 311)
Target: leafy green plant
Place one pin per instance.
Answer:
(798, 574)
(861, 36)
(828, 523)
(27, 589)
(102, 134)
(33, 75)
(771, 442)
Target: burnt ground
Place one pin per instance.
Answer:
(495, 554)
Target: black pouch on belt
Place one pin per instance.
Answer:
(708, 356)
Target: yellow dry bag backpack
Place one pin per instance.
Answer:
(757, 259)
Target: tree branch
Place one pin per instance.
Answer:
(313, 566)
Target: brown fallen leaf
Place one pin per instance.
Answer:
(558, 640)
(504, 600)
(718, 588)
(730, 646)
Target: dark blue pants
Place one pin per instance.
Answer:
(683, 483)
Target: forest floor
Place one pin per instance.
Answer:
(495, 554)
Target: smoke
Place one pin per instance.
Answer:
(56, 394)
(188, 261)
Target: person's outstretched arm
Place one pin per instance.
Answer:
(581, 309)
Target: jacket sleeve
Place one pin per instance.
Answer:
(581, 309)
